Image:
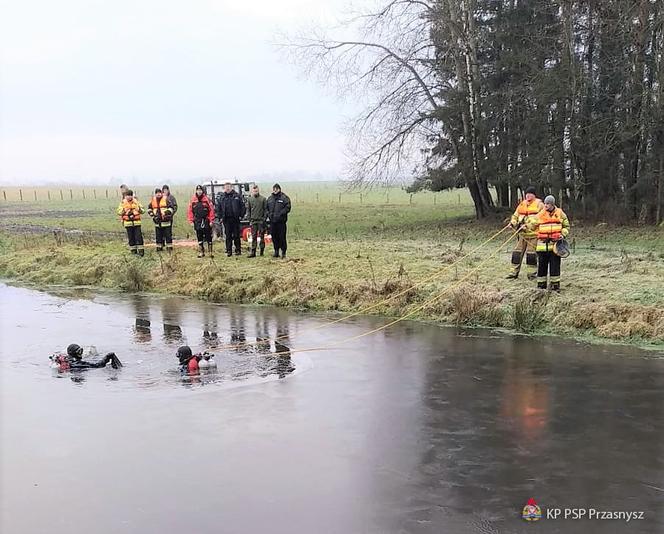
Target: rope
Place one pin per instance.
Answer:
(426, 303)
(364, 310)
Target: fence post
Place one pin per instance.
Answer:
(94, 193)
(4, 194)
(434, 199)
(71, 195)
(458, 199)
(339, 198)
(360, 198)
(35, 192)
(107, 193)
(83, 194)
(317, 199)
(48, 193)
(61, 196)
(20, 194)
(410, 200)
(388, 199)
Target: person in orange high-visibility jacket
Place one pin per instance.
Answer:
(130, 211)
(551, 225)
(162, 215)
(528, 208)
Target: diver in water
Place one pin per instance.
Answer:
(73, 360)
(192, 363)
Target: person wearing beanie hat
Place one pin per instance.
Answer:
(130, 211)
(162, 216)
(551, 225)
(278, 208)
(528, 208)
(200, 213)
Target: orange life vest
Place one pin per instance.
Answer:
(550, 225)
(131, 212)
(159, 208)
(526, 208)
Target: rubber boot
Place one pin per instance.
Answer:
(252, 254)
(141, 252)
(541, 285)
(201, 251)
(262, 250)
(555, 286)
(134, 251)
(210, 250)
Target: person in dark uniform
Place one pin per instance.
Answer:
(230, 210)
(278, 208)
(257, 214)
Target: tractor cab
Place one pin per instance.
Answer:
(215, 188)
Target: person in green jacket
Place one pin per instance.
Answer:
(257, 215)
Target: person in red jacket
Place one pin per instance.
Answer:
(201, 214)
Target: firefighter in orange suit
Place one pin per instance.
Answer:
(527, 209)
(130, 211)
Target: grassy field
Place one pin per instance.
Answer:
(349, 253)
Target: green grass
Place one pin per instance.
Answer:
(350, 256)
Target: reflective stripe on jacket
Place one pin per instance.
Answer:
(161, 212)
(550, 227)
(524, 213)
(130, 212)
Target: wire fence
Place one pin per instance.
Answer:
(311, 193)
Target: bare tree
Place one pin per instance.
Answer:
(388, 66)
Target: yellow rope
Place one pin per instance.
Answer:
(364, 310)
(426, 303)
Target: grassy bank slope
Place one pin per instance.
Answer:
(351, 256)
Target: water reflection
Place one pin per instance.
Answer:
(238, 329)
(172, 319)
(524, 400)
(142, 332)
(210, 328)
(281, 359)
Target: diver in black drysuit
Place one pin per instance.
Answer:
(75, 360)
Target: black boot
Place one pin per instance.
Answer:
(555, 286)
(201, 251)
(262, 250)
(210, 250)
(134, 251)
(541, 285)
(252, 254)
(141, 252)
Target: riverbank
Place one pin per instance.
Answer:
(613, 284)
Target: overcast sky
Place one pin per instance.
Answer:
(92, 90)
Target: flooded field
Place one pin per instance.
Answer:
(414, 429)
